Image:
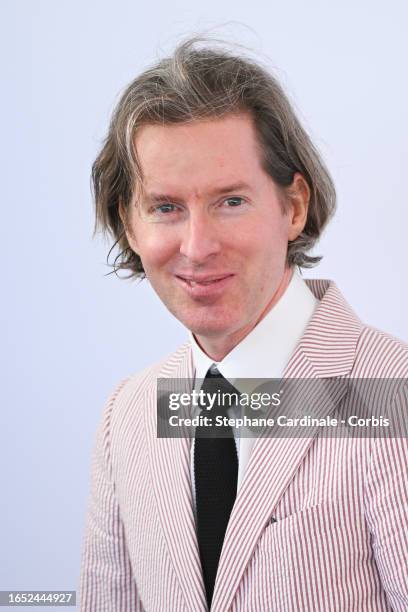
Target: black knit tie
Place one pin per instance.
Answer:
(216, 475)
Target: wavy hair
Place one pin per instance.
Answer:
(203, 81)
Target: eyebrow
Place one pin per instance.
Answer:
(159, 197)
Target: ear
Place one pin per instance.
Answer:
(124, 217)
(299, 196)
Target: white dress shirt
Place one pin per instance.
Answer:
(263, 353)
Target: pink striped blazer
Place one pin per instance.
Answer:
(340, 540)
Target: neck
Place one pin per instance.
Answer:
(218, 348)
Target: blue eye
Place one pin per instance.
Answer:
(234, 202)
(165, 208)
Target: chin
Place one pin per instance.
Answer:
(210, 327)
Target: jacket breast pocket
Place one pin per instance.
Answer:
(316, 550)
(314, 526)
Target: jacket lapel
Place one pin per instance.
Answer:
(327, 349)
(170, 465)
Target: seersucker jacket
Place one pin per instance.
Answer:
(339, 535)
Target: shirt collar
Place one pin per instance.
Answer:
(266, 350)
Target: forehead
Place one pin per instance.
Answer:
(199, 155)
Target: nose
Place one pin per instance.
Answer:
(200, 237)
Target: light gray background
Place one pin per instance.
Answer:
(69, 333)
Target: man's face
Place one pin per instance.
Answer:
(209, 227)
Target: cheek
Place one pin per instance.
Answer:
(276, 233)
(267, 239)
(155, 250)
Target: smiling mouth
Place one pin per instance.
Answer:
(194, 283)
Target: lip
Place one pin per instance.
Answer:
(215, 284)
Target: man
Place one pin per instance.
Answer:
(215, 193)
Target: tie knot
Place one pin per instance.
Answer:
(219, 393)
(213, 372)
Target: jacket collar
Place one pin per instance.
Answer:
(330, 339)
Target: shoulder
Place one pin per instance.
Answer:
(132, 393)
(337, 334)
(379, 354)
(175, 363)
